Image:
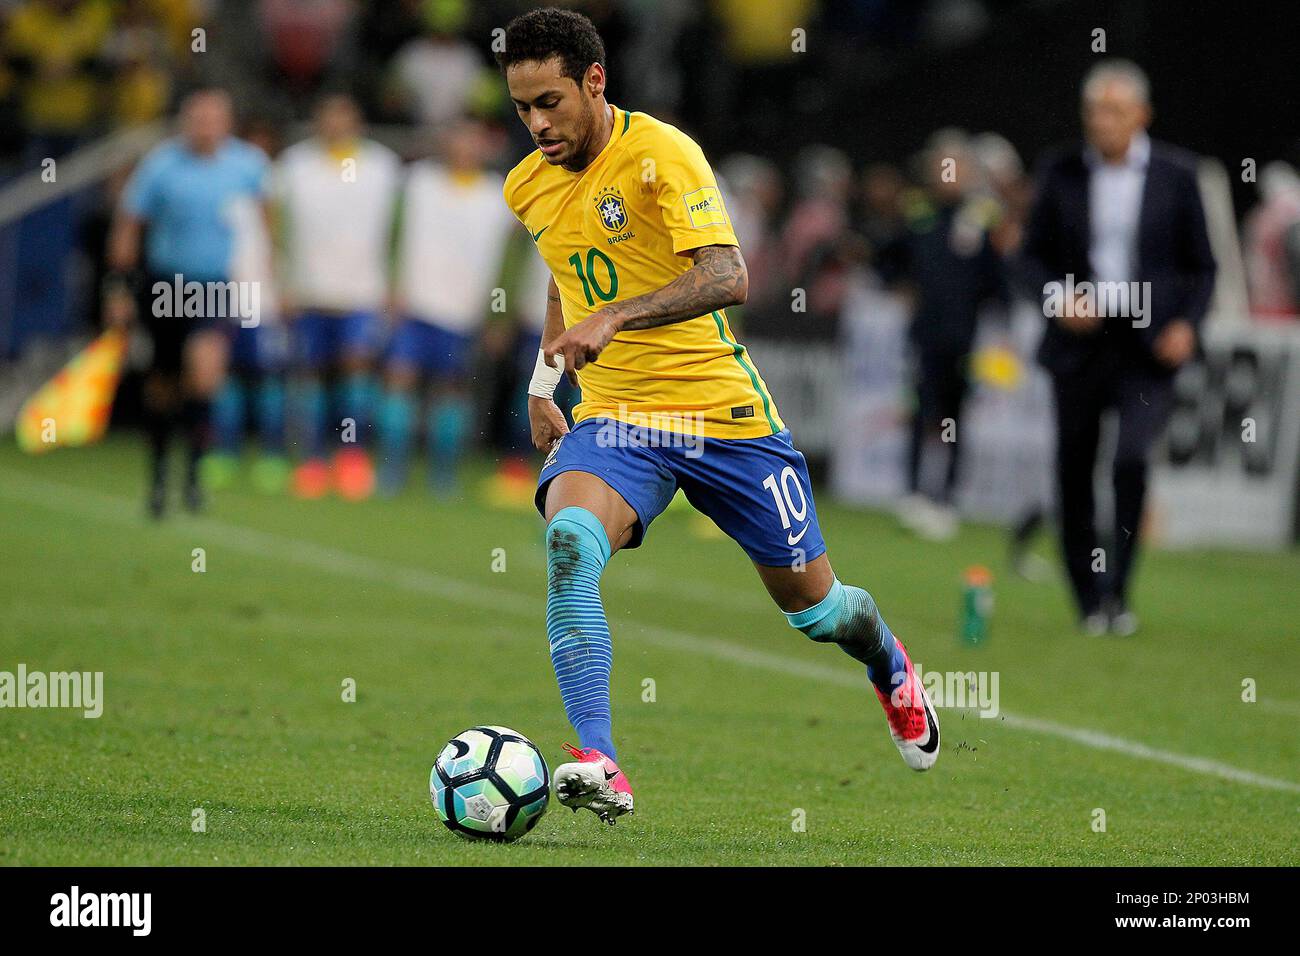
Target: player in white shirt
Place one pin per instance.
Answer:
(337, 194)
(453, 233)
(254, 386)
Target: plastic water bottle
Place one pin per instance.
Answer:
(976, 604)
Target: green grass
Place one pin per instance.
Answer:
(223, 692)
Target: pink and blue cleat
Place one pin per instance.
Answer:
(911, 718)
(593, 781)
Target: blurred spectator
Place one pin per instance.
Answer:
(1272, 241)
(817, 249)
(1005, 183)
(54, 49)
(752, 188)
(947, 259)
(336, 195)
(141, 52)
(434, 76)
(450, 250)
(758, 39)
(881, 210)
(307, 38)
(1125, 212)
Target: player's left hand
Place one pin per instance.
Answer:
(581, 343)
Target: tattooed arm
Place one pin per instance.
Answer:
(716, 280)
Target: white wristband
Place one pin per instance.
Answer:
(546, 377)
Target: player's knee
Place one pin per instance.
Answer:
(576, 544)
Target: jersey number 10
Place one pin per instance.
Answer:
(588, 278)
(784, 499)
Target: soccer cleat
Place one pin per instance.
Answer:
(218, 471)
(271, 474)
(595, 782)
(911, 718)
(1094, 624)
(311, 479)
(354, 475)
(1123, 622)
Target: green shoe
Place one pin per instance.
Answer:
(217, 471)
(271, 474)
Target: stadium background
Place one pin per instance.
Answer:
(821, 132)
(878, 79)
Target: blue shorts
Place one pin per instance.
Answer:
(431, 349)
(259, 348)
(755, 489)
(321, 338)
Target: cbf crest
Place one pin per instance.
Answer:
(610, 209)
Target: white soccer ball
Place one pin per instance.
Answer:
(490, 783)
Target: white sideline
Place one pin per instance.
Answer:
(112, 509)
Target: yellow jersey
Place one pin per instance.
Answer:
(624, 226)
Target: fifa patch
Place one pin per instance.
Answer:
(610, 209)
(705, 207)
(743, 411)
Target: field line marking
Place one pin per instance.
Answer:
(112, 509)
(1289, 707)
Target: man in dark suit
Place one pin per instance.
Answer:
(1116, 245)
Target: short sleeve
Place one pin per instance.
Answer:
(140, 197)
(258, 173)
(689, 197)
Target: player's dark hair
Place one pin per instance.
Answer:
(551, 32)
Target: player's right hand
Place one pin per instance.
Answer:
(547, 422)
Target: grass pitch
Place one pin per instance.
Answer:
(223, 692)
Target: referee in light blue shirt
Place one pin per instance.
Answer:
(176, 209)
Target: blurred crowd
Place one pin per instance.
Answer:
(306, 77)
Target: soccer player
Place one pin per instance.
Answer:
(627, 214)
(254, 387)
(450, 246)
(337, 194)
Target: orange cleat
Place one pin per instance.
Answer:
(354, 475)
(311, 479)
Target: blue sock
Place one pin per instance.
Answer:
(448, 425)
(847, 616)
(396, 415)
(311, 416)
(228, 416)
(355, 401)
(577, 549)
(270, 414)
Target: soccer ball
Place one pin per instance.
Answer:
(490, 783)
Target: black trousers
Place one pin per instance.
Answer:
(941, 388)
(1143, 401)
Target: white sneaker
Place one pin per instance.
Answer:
(910, 509)
(1123, 624)
(1095, 624)
(593, 781)
(937, 523)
